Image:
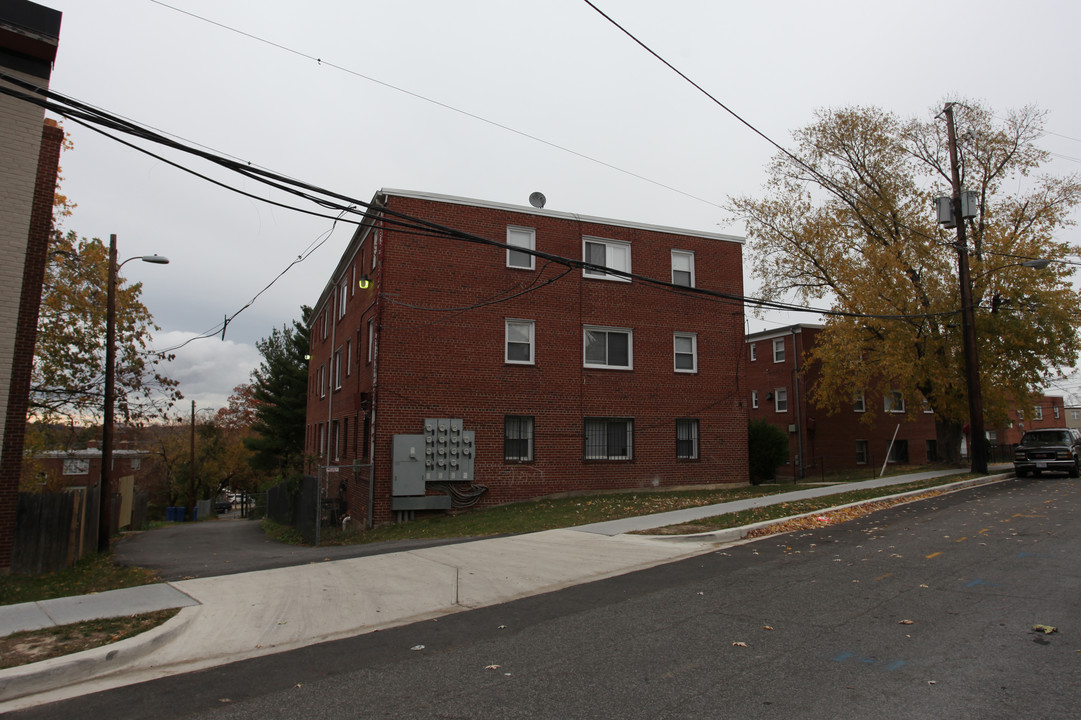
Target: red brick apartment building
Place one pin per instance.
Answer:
(476, 373)
(779, 383)
(1048, 411)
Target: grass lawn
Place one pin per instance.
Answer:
(548, 514)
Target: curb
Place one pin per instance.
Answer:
(735, 534)
(92, 664)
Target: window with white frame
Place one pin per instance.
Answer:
(754, 352)
(861, 452)
(1054, 409)
(894, 402)
(608, 348)
(778, 350)
(686, 352)
(371, 339)
(518, 347)
(859, 402)
(338, 369)
(609, 439)
(352, 281)
(136, 463)
(326, 321)
(348, 357)
(754, 399)
(343, 295)
(518, 438)
(1037, 412)
(1075, 414)
(611, 254)
(521, 237)
(1020, 414)
(687, 439)
(323, 380)
(76, 466)
(780, 400)
(683, 268)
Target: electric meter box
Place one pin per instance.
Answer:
(449, 451)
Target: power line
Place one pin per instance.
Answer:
(445, 106)
(69, 107)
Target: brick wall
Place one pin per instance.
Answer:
(34, 251)
(829, 439)
(441, 304)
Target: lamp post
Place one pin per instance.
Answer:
(104, 497)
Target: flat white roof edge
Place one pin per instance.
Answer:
(455, 200)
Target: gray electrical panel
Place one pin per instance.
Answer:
(408, 465)
(445, 452)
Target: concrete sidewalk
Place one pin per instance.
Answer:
(233, 617)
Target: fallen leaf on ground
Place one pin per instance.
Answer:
(492, 667)
(1045, 629)
(905, 622)
(739, 644)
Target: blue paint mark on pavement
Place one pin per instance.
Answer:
(977, 581)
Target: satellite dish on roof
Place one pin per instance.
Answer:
(537, 199)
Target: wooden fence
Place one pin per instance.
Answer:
(53, 531)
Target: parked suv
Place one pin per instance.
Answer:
(1050, 449)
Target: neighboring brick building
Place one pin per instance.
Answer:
(564, 379)
(29, 155)
(134, 471)
(1048, 411)
(778, 385)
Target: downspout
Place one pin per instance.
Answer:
(320, 476)
(377, 331)
(799, 415)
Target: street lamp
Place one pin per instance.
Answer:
(104, 499)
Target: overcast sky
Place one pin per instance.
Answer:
(372, 114)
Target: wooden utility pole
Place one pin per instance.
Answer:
(977, 450)
(105, 497)
(191, 482)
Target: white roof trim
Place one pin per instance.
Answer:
(454, 200)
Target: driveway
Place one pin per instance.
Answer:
(229, 546)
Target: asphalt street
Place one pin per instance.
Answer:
(924, 610)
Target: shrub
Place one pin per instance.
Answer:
(767, 450)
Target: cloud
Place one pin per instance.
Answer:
(208, 369)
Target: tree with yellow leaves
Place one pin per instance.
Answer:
(849, 219)
(68, 380)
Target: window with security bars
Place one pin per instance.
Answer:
(609, 439)
(687, 439)
(518, 438)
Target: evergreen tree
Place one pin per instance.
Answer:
(279, 390)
